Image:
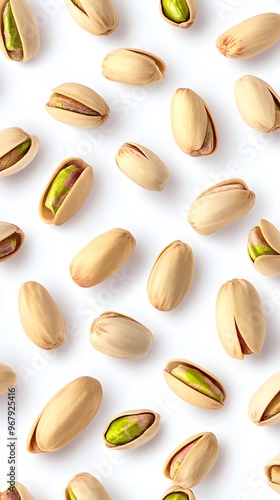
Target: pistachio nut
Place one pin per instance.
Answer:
(264, 248)
(133, 66)
(220, 205)
(179, 13)
(66, 191)
(102, 257)
(16, 492)
(194, 384)
(171, 276)
(17, 150)
(192, 123)
(131, 429)
(250, 37)
(8, 378)
(264, 407)
(240, 318)
(257, 103)
(192, 460)
(41, 318)
(178, 493)
(272, 473)
(119, 336)
(19, 38)
(84, 486)
(11, 240)
(98, 18)
(65, 416)
(77, 105)
(142, 166)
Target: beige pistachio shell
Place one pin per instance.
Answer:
(147, 435)
(198, 462)
(193, 127)
(171, 276)
(86, 96)
(133, 66)
(264, 407)
(98, 18)
(269, 265)
(186, 24)
(192, 395)
(142, 166)
(86, 487)
(240, 318)
(119, 336)
(12, 137)
(250, 37)
(27, 26)
(8, 378)
(272, 473)
(7, 230)
(65, 416)
(41, 318)
(220, 205)
(23, 492)
(102, 257)
(177, 489)
(76, 197)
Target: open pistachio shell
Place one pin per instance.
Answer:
(192, 460)
(178, 493)
(13, 236)
(264, 407)
(136, 431)
(266, 249)
(19, 492)
(272, 473)
(98, 18)
(204, 390)
(240, 318)
(65, 416)
(220, 205)
(75, 198)
(169, 7)
(8, 378)
(11, 152)
(84, 486)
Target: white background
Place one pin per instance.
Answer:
(67, 53)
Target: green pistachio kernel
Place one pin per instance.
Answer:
(61, 186)
(11, 35)
(257, 245)
(125, 429)
(71, 495)
(15, 155)
(7, 246)
(176, 10)
(177, 496)
(198, 381)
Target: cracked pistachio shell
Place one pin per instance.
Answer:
(240, 318)
(272, 473)
(198, 458)
(143, 438)
(102, 257)
(65, 416)
(84, 486)
(98, 18)
(220, 205)
(85, 96)
(119, 336)
(8, 230)
(41, 318)
(11, 138)
(27, 27)
(171, 276)
(75, 198)
(178, 493)
(250, 37)
(195, 396)
(264, 407)
(133, 66)
(18, 493)
(8, 378)
(267, 264)
(173, 11)
(193, 127)
(142, 166)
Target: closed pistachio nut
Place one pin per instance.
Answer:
(240, 318)
(220, 205)
(84, 486)
(179, 13)
(11, 240)
(264, 407)
(264, 248)
(272, 473)
(17, 150)
(16, 492)
(65, 416)
(8, 378)
(178, 493)
(98, 18)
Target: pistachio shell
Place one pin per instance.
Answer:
(178, 493)
(240, 318)
(191, 5)
(65, 416)
(40, 316)
(133, 66)
(7, 230)
(85, 96)
(220, 205)
(98, 18)
(250, 37)
(193, 395)
(264, 407)
(171, 276)
(272, 473)
(119, 336)
(148, 434)
(268, 265)
(102, 257)
(11, 138)
(8, 378)
(200, 456)
(23, 492)
(86, 487)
